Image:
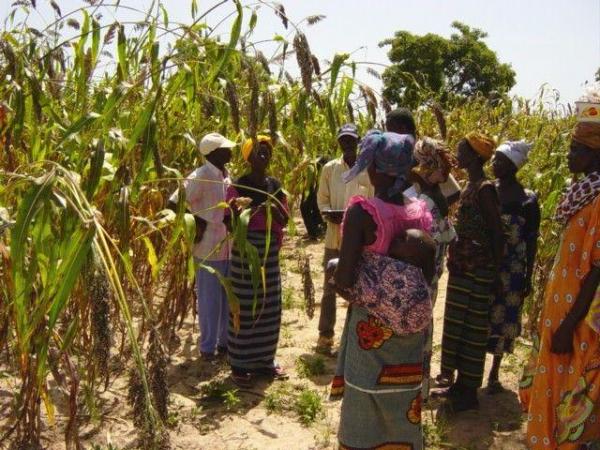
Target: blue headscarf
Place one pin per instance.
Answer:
(392, 154)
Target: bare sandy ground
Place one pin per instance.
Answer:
(208, 412)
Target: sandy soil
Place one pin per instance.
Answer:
(207, 412)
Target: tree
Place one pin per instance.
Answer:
(433, 67)
(597, 76)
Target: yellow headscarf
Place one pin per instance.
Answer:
(249, 145)
(482, 144)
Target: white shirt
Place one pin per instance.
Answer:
(205, 190)
(333, 194)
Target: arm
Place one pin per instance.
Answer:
(353, 240)
(533, 218)
(324, 196)
(200, 222)
(562, 339)
(491, 215)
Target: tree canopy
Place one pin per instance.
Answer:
(433, 67)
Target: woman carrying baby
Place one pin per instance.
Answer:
(380, 364)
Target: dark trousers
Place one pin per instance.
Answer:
(328, 310)
(310, 214)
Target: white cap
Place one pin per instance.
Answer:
(516, 151)
(213, 141)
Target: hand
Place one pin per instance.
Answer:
(334, 217)
(562, 340)
(200, 229)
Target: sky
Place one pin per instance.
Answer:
(548, 43)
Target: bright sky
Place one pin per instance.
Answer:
(546, 41)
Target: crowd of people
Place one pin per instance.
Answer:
(395, 218)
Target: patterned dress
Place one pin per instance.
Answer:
(470, 291)
(521, 222)
(378, 372)
(561, 392)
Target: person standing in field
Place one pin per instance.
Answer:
(434, 162)
(252, 347)
(332, 197)
(401, 121)
(473, 260)
(379, 370)
(205, 190)
(521, 218)
(560, 388)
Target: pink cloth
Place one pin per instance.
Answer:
(258, 219)
(392, 220)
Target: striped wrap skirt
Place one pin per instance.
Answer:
(253, 347)
(466, 324)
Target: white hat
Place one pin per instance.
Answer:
(516, 151)
(213, 141)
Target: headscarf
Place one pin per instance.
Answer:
(249, 145)
(392, 154)
(482, 144)
(516, 151)
(432, 155)
(588, 134)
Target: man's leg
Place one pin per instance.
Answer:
(208, 292)
(328, 306)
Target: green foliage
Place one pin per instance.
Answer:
(308, 406)
(310, 366)
(433, 67)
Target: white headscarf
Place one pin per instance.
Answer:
(516, 151)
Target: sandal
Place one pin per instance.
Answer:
(276, 372)
(444, 381)
(242, 379)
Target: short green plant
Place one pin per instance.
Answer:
(231, 399)
(278, 398)
(288, 299)
(310, 366)
(309, 406)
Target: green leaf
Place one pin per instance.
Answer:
(165, 15)
(338, 60)
(122, 53)
(79, 125)
(152, 258)
(233, 40)
(253, 20)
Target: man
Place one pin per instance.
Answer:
(205, 190)
(332, 197)
(401, 121)
(309, 207)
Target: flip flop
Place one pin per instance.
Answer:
(276, 372)
(443, 381)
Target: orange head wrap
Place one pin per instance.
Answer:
(482, 144)
(588, 134)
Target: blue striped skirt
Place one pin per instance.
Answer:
(253, 347)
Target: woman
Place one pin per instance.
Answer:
(379, 373)
(560, 389)
(434, 165)
(521, 218)
(252, 348)
(472, 262)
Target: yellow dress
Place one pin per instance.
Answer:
(561, 393)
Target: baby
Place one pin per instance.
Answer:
(414, 247)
